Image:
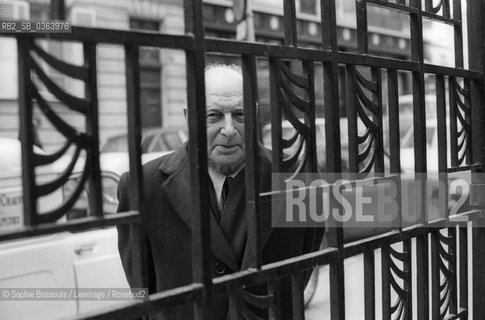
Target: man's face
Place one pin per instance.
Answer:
(225, 120)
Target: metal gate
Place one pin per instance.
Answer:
(442, 252)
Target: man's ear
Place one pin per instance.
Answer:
(185, 113)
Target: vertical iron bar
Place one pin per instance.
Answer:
(369, 286)
(463, 269)
(252, 151)
(377, 98)
(442, 146)
(134, 147)
(362, 35)
(57, 10)
(235, 311)
(297, 296)
(458, 34)
(290, 23)
(453, 121)
(29, 197)
(195, 67)
(395, 138)
(441, 118)
(446, 8)
(476, 25)
(428, 5)
(94, 188)
(468, 117)
(332, 149)
(132, 66)
(352, 119)
(386, 282)
(274, 83)
(453, 271)
(418, 91)
(407, 249)
(419, 123)
(274, 289)
(308, 69)
(435, 276)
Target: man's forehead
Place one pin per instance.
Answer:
(223, 81)
(224, 103)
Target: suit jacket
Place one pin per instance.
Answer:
(166, 226)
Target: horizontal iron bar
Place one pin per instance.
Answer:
(376, 61)
(465, 168)
(393, 236)
(393, 6)
(177, 296)
(133, 310)
(436, 17)
(275, 270)
(216, 45)
(448, 71)
(121, 37)
(185, 42)
(156, 303)
(81, 224)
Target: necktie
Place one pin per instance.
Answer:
(225, 191)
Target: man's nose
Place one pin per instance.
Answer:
(228, 128)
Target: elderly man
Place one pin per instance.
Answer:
(167, 185)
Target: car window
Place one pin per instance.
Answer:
(408, 139)
(157, 145)
(145, 144)
(117, 144)
(172, 140)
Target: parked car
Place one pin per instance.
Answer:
(153, 140)
(114, 161)
(288, 131)
(86, 259)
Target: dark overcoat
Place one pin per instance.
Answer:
(166, 226)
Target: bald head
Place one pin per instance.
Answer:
(223, 80)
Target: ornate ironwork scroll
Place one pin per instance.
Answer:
(364, 111)
(80, 141)
(444, 293)
(292, 98)
(460, 122)
(396, 276)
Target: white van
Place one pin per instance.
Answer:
(67, 260)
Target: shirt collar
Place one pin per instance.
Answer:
(218, 179)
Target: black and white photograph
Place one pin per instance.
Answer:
(242, 159)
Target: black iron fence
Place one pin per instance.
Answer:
(441, 252)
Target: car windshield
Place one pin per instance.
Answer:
(152, 142)
(408, 139)
(115, 144)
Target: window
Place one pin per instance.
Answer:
(8, 48)
(150, 77)
(308, 7)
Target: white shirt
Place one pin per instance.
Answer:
(218, 180)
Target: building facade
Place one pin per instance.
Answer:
(162, 77)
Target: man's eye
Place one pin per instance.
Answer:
(239, 115)
(213, 116)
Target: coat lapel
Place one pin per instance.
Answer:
(176, 189)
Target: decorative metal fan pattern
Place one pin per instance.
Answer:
(293, 100)
(460, 122)
(74, 138)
